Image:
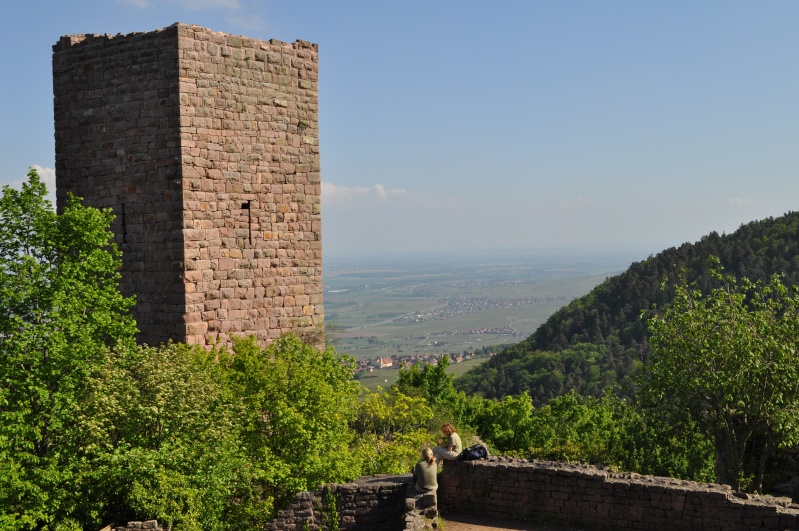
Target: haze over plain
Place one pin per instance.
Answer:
(455, 126)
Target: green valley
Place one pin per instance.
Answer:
(413, 307)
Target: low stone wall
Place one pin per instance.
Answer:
(598, 498)
(378, 502)
(543, 491)
(150, 525)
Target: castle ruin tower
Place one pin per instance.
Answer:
(206, 147)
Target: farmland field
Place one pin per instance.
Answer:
(455, 304)
(388, 377)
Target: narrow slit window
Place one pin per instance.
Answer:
(248, 207)
(124, 224)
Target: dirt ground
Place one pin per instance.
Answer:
(478, 523)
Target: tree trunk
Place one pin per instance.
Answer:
(730, 450)
(765, 453)
(725, 474)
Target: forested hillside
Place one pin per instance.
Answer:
(598, 341)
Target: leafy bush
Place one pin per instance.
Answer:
(390, 429)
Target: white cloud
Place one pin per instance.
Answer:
(341, 193)
(737, 201)
(382, 193)
(48, 178)
(333, 194)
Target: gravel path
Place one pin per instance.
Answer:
(480, 523)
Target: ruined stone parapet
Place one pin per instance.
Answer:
(555, 493)
(377, 502)
(599, 498)
(149, 525)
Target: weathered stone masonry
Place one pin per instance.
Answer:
(601, 499)
(205, 146)
(387, 503)
(543, 491)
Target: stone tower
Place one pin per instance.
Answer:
(206, 147)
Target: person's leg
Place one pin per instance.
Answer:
(443, 453)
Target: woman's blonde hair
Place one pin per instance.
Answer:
(448, 428)
(427, 455)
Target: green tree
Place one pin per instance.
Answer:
(167, 442)
(219, 440)
(729, 363)
(298, 403)
(584, 429)
(506, 424)
(430, 381)
(60, 313)
(390, 430)
(653, 445)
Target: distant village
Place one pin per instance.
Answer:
(401, 361)
(466, 306)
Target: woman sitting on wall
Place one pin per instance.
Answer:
(454, 446)
(424, 473)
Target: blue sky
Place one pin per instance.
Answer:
(463, 125)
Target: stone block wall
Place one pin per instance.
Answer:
(206, 147)
(152, 525)
(597, 498)
(538, 491)
(117, 120)
(376, 502)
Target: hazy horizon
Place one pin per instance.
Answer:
(487, 256)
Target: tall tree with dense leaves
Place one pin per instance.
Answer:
(297, 406)
(60, 310)
(430, 381)
(165, 440)
(729, 362)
